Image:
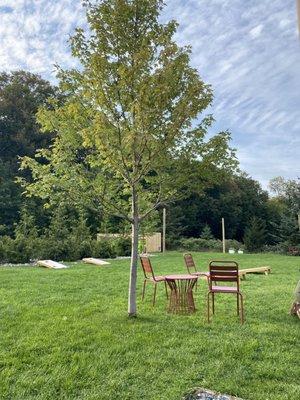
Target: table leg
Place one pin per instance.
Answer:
(181, 296)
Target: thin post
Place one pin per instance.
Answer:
(164, 231)
(223, 235)
(298, 12)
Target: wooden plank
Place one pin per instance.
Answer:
(223, 236)
(256, 270)
(51, 264)
(153, 243)
(95, 261)
(164, 231)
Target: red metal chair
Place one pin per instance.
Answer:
(191, 267)
(151, 278)
(224, 271)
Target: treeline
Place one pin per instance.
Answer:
(67, 230)
(255, 220)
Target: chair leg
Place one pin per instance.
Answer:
(242, 309)
(208, 308)
(143, 292)
(213, 303)
(196, 285)
(154, 294)
(166, 287)
(238, 304)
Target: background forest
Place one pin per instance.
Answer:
(31, 228)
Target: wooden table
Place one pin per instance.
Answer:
(181, 296)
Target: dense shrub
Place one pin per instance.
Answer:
(122, 246)
(67, 237)
(173, 242)
(22, 250)
(282, 248)
(103, 249)
(294, 250)
(14, 251)
(199, 244)
(233, 244)
(279, 248)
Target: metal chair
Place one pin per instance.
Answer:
(151, 278)
(224, 271)
(191, 267)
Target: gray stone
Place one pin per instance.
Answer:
(205, 394)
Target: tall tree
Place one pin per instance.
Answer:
(288, 191)
(132, 105)
(255, 234)
(21, 93)
(237, 198)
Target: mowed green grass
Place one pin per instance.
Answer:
(64, 334)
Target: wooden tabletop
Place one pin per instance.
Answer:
(180, 277)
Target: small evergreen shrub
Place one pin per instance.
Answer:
(207, 233)
(122, 246)
(255, 235)
(102, 249)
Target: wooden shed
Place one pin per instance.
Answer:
(152, 241)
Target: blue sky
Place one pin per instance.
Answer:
(249, 51)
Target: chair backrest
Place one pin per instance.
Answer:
(147, 267)
(189, 262)
(224, 271)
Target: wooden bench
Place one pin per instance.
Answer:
(257, 270)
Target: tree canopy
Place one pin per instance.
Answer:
(128, 130)
(21, 94)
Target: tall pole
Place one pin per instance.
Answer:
(298, 12)
(164, 231)
(223, 235)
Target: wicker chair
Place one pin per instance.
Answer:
(149, 277)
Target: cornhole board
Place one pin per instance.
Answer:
(257, 270)
(51, 264)
(95, 261)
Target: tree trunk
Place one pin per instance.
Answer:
(134, 256)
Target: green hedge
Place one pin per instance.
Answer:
(23, 250)
(282, 248)
(199, 244)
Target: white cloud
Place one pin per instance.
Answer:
(256, 82)
(256, 32)
(248, 51)
(34, 35)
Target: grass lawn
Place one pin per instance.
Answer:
(64, 334)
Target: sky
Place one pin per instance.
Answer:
(249, 51)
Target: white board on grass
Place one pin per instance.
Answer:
(51, 264)
(95, 261)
